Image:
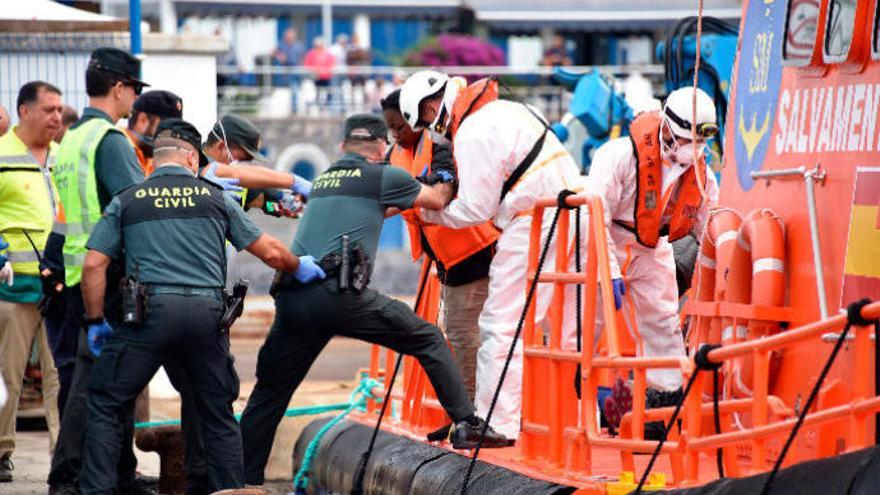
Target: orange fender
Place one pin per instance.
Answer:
(715, 251)
(756, 276)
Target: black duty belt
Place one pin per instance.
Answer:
(184, 290)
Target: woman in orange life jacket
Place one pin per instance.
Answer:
(462, 256)
(655, 191)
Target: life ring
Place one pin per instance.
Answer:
(756, 276)
(722, 228)
(303, 152)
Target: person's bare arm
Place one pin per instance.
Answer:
(94, 283)
(273, 253)
(435, 197)
(391, 211)
(256, 176)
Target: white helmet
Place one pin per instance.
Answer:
(679, 111)
(416, 88)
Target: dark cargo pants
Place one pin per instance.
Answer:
(179, 331)
(306, 318)
(67, 457)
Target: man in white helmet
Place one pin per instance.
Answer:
(656, 190)
(506, 160)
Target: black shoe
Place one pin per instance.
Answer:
(141, 485)
(6, 469)
(440, 434)
(466, 434)
(62, 489)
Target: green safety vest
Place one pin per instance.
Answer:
(78, 191)
(27, 203)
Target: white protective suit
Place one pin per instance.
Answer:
(649, 274)
(488, 146)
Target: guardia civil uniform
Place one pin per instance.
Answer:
(170, 231)
(27, 208)
(349, 199)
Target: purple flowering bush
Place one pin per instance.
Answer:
(449, 50)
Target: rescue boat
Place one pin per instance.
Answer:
(792, 244)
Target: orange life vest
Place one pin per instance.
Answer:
(146, 163)
(471, 99)
(451, 246)
(650, 207)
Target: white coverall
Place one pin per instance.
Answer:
(487, 148)
(649, 274)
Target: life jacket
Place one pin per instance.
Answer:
(450, 246)
(145, 163)
(650, 207)
(471, 99)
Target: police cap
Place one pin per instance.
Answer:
(163, 104)
(183, 130)
(119, 62)
(241, 132)
(364, 127)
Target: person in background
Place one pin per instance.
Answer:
(358, 56)
(68, 117)
(149, 110)
(27, 210)
(556, 54)
(321, 62)
(289, 53)
(4, 120)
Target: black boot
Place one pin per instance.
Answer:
(6, 469)
(466, 434)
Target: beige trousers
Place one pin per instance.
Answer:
(20, 325)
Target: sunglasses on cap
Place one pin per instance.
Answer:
(138, 87)
(704, 130)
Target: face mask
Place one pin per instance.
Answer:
(684, 154)
(145, 143)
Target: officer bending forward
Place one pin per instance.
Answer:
(349, 202)
(172, 230)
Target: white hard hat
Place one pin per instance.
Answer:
(679, 111)
(416, 88)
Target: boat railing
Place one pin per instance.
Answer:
(561, 429)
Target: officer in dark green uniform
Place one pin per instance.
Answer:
(349, 202)
(170, 230)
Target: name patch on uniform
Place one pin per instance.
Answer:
(333, 178)
(172, 197)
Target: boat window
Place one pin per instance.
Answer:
(801, 29)
(838, 37)
(874, 41)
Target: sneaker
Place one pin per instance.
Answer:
(6, 469)
(465, 435)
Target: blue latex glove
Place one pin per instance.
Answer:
(227, 183)
(98, 334)
(308, 270)
(301, 186)
(619, 289)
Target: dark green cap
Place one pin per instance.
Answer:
(364, 127)
(183, 130)
(163, 104)
(119, 62)
(240, 131)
